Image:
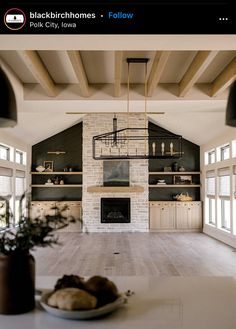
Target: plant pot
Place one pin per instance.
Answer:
(17, 283)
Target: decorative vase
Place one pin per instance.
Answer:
(17, 282)
(181, 169)
(175, 166)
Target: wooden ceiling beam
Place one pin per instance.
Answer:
(157, 69)
(36, 66)
(199, 64)
(118, 71)
(224, 79)
(77, 64)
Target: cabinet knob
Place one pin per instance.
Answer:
(162, 208)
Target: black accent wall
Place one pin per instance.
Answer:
(190, 161)
(70, 141)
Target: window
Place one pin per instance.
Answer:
(19, 191)
(225, 214)
(211, 157)
(5, 193)
(19, 157)
(225, 152)
(210, 197)
(235, 182)
(234, 148)
(4, 152)
(212, 211)
(6, 182)
(224, 196)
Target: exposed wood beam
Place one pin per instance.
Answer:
(158, 66)
(118, 71)
(195, 70)
(224, 79)
(79, 70)
(34, 63)
(117, 112)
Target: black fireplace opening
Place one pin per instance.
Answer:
(115, 210)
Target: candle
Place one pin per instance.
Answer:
(153, 148)
(162, 148)
(171, 148)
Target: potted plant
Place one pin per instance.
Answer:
(17, 265)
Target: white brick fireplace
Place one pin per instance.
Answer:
(95, 124)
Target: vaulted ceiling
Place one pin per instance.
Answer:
(185, 87)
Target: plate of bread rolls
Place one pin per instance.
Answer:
(75, 298)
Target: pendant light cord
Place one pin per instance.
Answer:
(128, 105)
(145, 108)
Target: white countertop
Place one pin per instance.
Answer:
(158, 303)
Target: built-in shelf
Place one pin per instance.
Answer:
(115, 189)
(174, 185)
(57, 173)
(56, 185)
(174, 173)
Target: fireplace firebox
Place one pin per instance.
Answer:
(115, 210)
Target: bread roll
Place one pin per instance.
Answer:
(72, 299)
(103, 289)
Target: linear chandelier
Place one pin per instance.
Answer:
(136, 142)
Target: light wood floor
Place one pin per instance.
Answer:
(137, 254)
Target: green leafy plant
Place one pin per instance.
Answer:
(31, 233)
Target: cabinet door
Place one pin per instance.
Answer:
(48, 208)
(182, 215)
(162, 215)
(71, 210)
(39, 209)
(188, 215)
(195, 215)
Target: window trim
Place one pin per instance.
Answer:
(209, 153)
(7, 149)
(222, 150)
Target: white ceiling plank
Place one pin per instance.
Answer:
(34, 63)
(195, 70)
(79, 70)
(157, 69)
(224, 79)
(118, 71)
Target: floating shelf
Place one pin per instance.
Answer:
(56, 186)
(57, 173)
(174, 185)
(175, 173)
(115, 189)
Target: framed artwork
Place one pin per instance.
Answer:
(48, 165)
(182, 179)
(116, 173)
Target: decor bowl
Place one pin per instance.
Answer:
(40, 168)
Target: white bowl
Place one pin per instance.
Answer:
(161, 181)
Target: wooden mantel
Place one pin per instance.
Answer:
(115, 189)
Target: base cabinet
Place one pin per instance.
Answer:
(175, 216)
(162, 215)
(68, 209)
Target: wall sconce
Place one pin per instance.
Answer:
(56, 152)
(8, 114)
